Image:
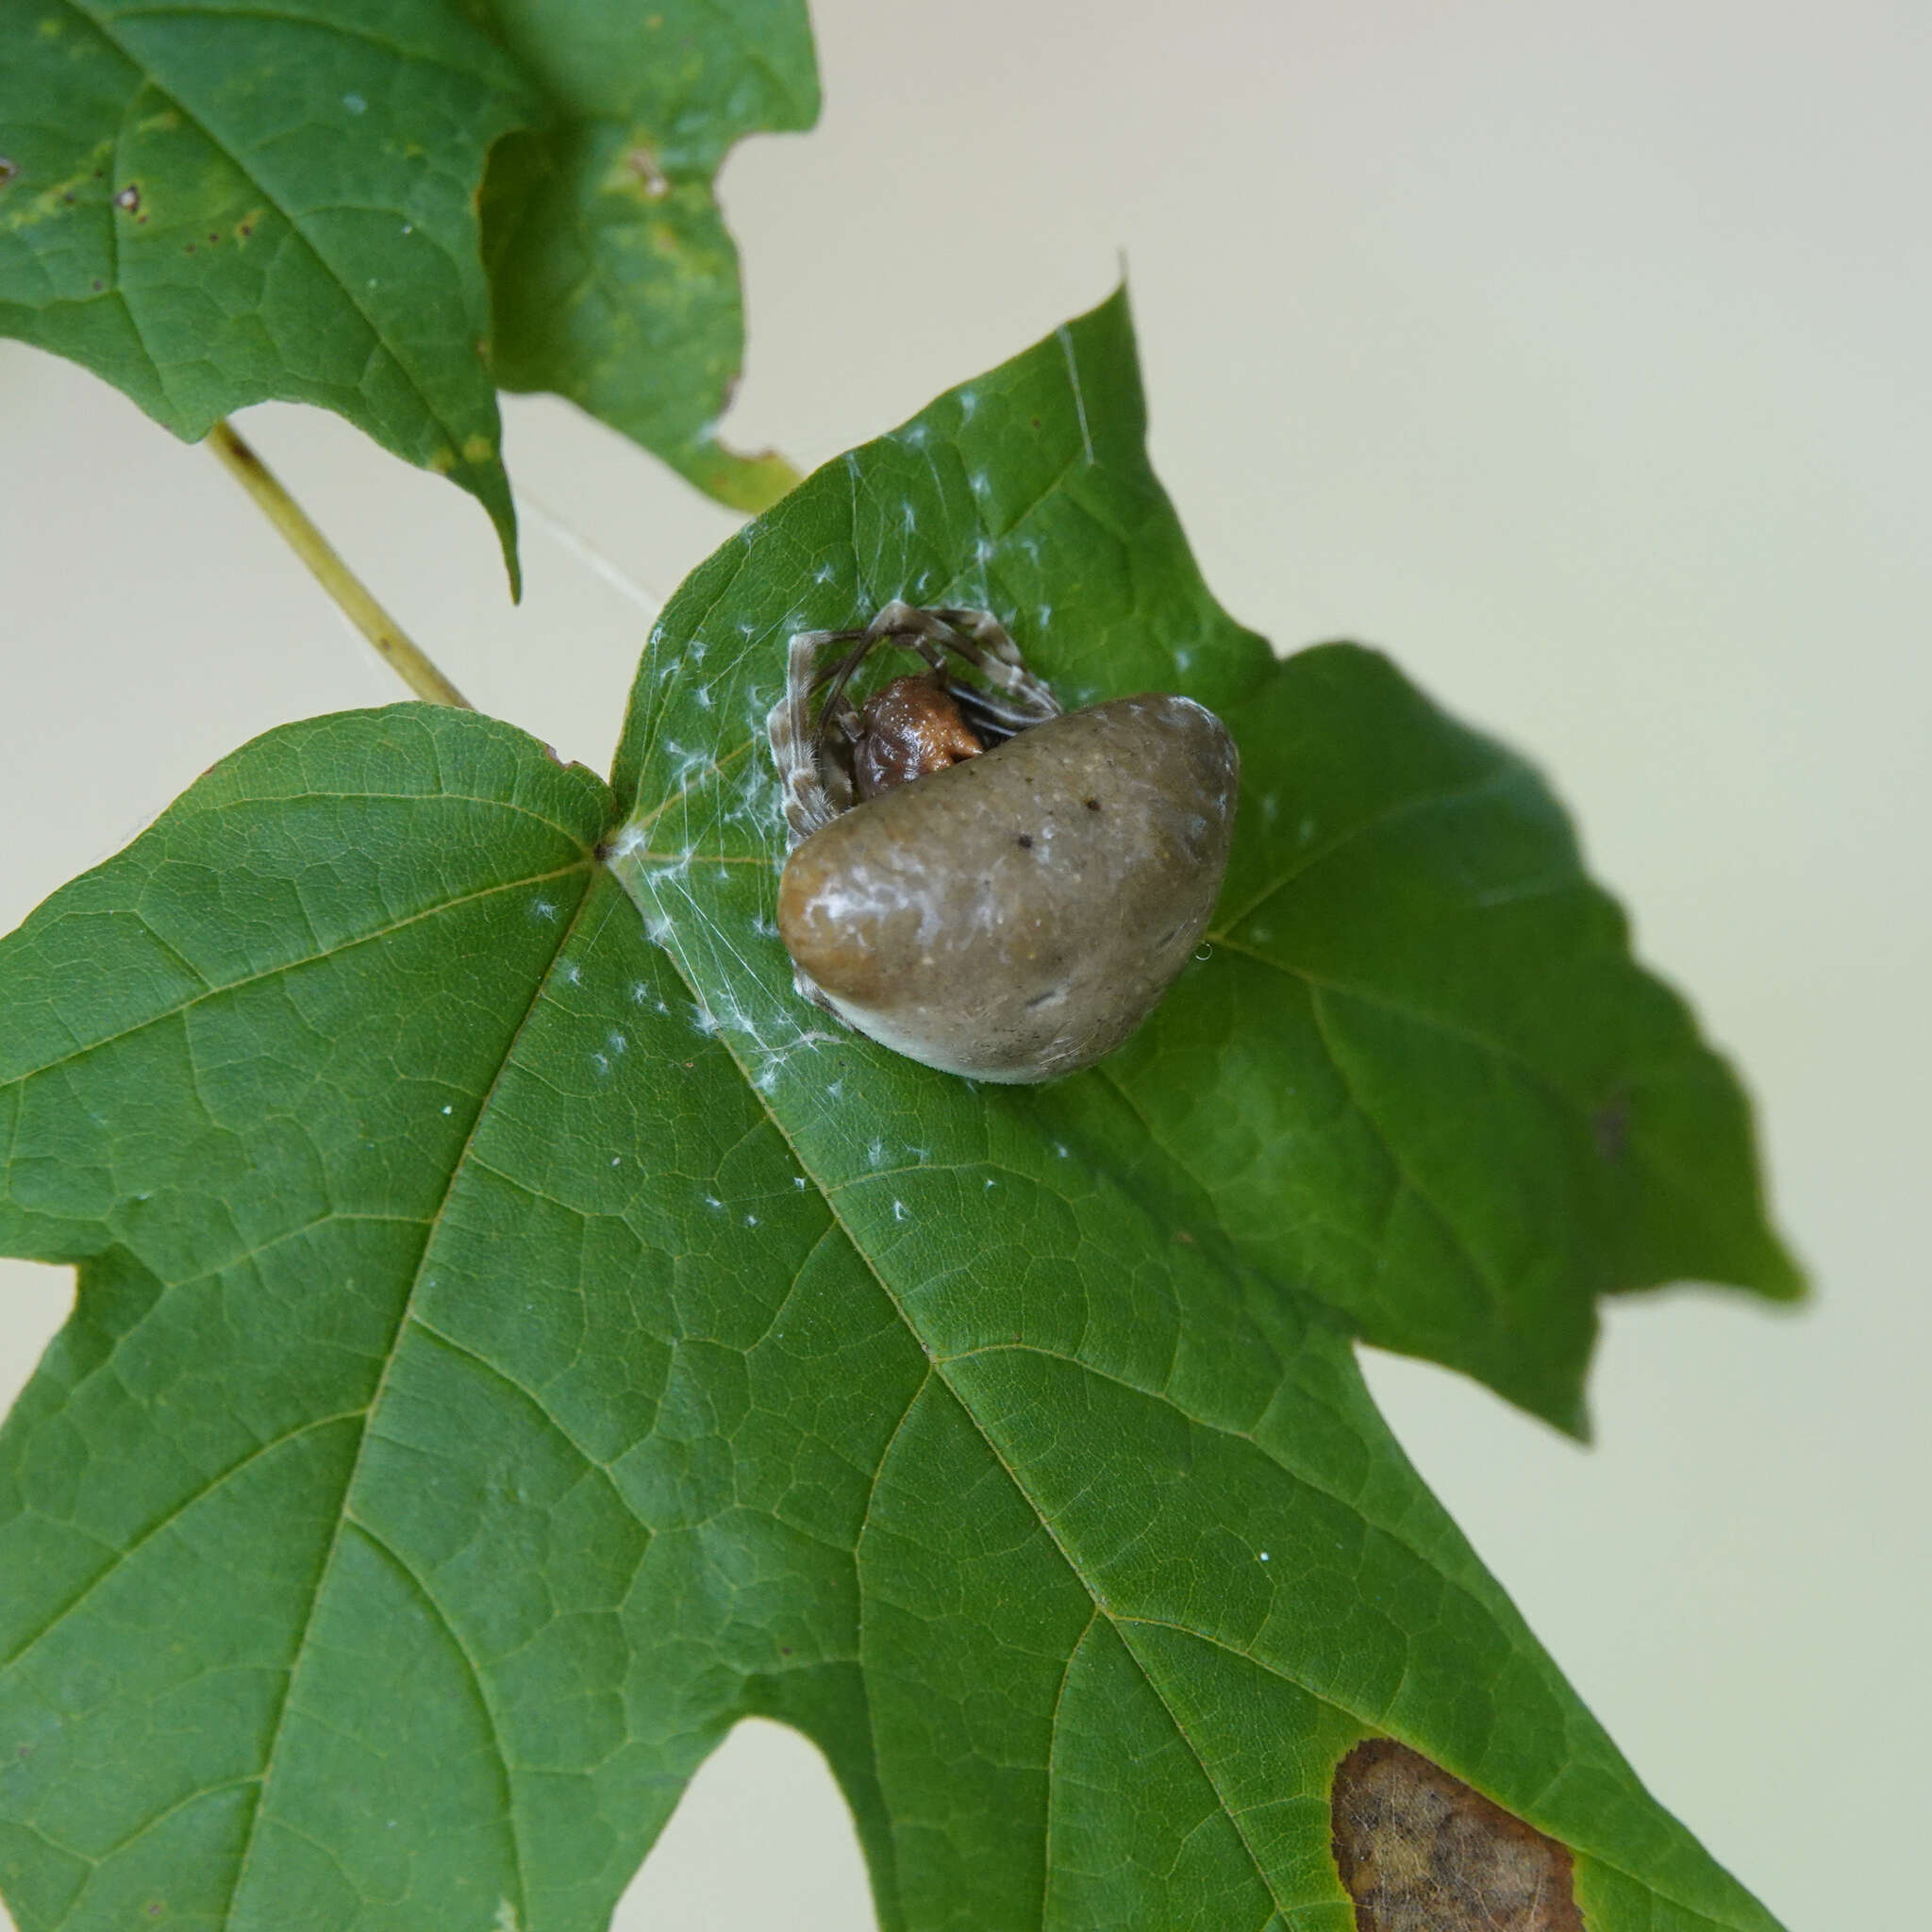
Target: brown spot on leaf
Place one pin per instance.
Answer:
(129, 198)
(650, 178)
(9, 170)
(1611, 1123)
(1420, 1851)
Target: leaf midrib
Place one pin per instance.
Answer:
(343, 1513)
(1447, 1030)
(1391, 813)
(936, 1368)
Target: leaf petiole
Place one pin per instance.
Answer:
(351, 596)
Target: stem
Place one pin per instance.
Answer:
(351, 596)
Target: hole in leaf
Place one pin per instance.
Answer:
(36, 1297)
(761, 1838)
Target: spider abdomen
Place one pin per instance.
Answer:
(1015, 916)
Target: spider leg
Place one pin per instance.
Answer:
(839, 717)
(793, 743)
(984, 643)
(988, 714)
(985, 629)
(837, 673)
(836, 706)
(816, 784)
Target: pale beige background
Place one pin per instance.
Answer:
(1576, 353)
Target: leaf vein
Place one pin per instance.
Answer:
(283, 966)
(390, 1353)
(229, 153)
(474, 1670)
(200, 1493)
(1399, 808)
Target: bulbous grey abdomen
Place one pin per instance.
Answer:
(1017, 915)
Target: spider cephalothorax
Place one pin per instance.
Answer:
(977, 879)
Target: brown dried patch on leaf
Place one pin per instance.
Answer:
(1419, 1851)
(1611, 1124)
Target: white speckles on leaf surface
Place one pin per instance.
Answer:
(1116, 1150)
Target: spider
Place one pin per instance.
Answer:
(977, 879)
(908, 728)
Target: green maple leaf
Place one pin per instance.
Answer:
(516, 1340)
(211, 205)
(616, 281)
